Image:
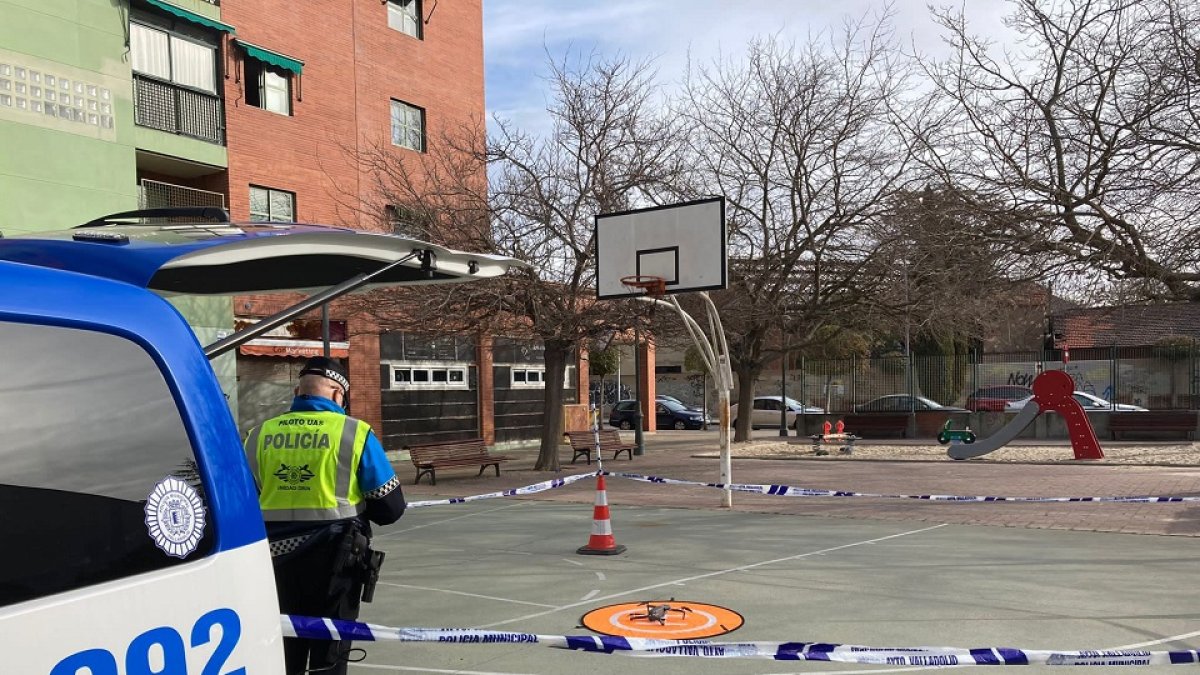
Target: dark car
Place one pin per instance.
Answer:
(996, 398)
(668, 415)
(903, 403)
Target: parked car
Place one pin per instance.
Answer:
(668, 415)
(995, 398)
(904, 403)
(1088, 401)
(766, 412)
(671, 399)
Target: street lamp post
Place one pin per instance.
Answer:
(639, 439)
(783, 406)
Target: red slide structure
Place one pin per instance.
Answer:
(1052, 390)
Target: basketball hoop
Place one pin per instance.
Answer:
(650, 284)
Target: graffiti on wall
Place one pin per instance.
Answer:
(1092, 377)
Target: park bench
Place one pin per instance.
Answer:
(876, 424)
(1153, 421)
(583, 444)
(429, 457)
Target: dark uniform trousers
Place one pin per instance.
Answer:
(309, 583)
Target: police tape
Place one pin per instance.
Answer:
(337, 629)
(512, 492)
(793, 491)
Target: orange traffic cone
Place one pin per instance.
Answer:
(602, 541)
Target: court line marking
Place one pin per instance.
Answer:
(1172, 638)
(469, 595)
(717, 573)
(590, 594)
(447, 520)
(601, 577)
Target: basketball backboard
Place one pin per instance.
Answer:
(682, 243)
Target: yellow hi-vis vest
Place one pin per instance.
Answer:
(306, 466)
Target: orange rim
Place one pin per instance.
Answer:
(682, 620)
(652, 285)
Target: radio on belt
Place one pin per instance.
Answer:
(122, 466)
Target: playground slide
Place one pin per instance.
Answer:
(999, 439)
(1052, 391)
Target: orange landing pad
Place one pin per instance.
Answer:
(663, 619)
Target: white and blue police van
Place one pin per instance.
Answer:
(132, 539)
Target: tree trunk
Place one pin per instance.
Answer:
(556, 352)
(745, 403)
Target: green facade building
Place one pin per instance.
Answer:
(110, 106)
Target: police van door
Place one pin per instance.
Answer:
(132, 541)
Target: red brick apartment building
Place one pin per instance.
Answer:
(291, 92)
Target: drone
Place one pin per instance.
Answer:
(659, 612)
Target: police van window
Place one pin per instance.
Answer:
(90, 430)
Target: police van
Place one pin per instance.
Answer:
(132, 539)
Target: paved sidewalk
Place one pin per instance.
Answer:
(674, 455)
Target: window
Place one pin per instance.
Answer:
(268, 87)
(405, 16)
(79, 502)
(535, 378)
(271, 205)
(172, 57)
(440, 376)
(408, 126)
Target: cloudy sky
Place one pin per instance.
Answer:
(519, 34)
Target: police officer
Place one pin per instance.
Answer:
(321, 476)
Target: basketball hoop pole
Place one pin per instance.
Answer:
(654, 286)
(715, 352)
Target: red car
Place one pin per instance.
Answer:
(993, 399)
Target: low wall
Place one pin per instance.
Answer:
(1049, 426)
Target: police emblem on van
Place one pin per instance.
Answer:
(175, 517)
(293, 474)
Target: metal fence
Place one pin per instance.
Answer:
(178, 110)
(157, 194)
(1157, 378)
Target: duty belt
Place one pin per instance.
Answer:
(286, 546)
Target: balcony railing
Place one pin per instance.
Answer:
(178, 110)
(156, 194)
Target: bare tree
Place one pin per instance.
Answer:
(801, 142)
(1081, 143)
(947, 277)
(613, 146)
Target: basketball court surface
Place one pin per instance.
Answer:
(867, 572)
(862, 571)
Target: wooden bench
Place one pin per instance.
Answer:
(1153, 421)
(864, 424)
(583, 444)
(429, 457)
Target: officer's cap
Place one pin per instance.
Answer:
(327, 368)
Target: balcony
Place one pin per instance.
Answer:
(178, 110)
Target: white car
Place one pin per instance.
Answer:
(766, 412)
(1088, 401)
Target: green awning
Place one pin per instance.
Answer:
(274, 58)
(193, 17)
